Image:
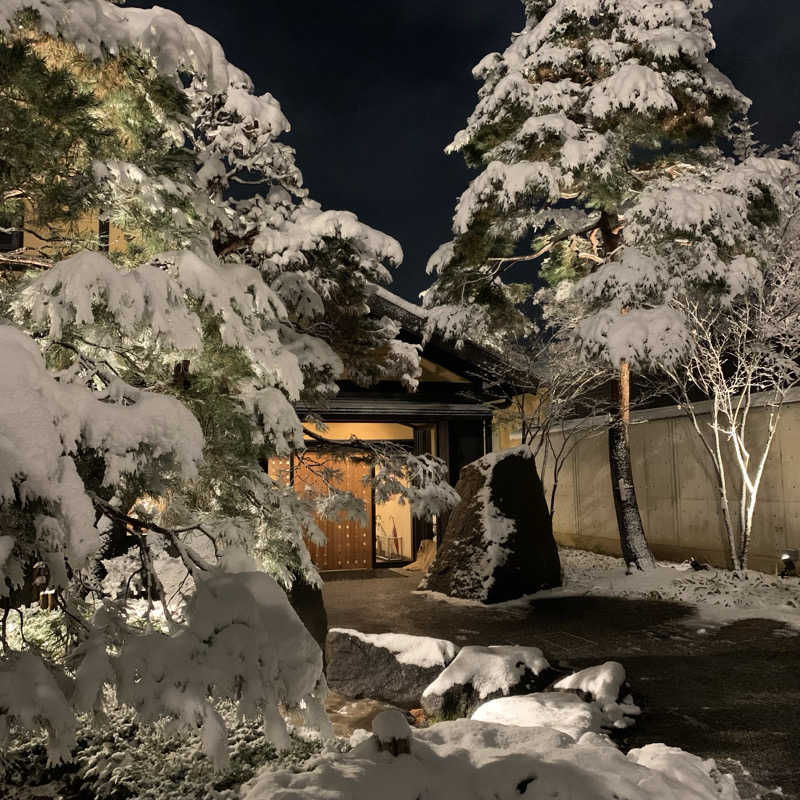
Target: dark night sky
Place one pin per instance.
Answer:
(375, 90)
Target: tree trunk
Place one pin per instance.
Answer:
(633, 542)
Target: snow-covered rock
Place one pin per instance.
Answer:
(602, 683)
(567, 713)
(499, 542)
(605, 686)
(470, 760)
(480, 673)
(390, 666)
(393, 732)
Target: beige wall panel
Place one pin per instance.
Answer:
(769, 528)
(772, 481)
(596, 544)
(654, 477)
(659, 520)
(639, 446)
(792, 527)
(566, 509)
(789, 435)
(695, 471)
(595, 502)
(699, 524)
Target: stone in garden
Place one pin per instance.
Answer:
(392, 667)
(498, 544)
(478, 674)
(604, 686)
(603, 682)
(567, 713)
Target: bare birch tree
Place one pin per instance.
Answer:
(555, 396)
(740, 357)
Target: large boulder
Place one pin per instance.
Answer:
(391, 667)
(499, 542)
(478, 674)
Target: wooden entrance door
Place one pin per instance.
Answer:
(348, 544)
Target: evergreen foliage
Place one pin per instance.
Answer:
(147, 388)
(590, 103)
(598, 134)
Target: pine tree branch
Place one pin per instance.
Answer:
(17, 261)
(192, 560)
(235, 244)
(564, 235)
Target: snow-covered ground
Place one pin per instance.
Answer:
(720, 596)
(473, 760)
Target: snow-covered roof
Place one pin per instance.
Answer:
(415, 320)
(395, 300)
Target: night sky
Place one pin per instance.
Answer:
(375, 90)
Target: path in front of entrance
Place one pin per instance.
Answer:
(731, 693)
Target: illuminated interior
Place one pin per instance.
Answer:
(393, 540)
(368, 431)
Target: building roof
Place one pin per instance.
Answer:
(434, 400)
(466, 358)
(407, 408)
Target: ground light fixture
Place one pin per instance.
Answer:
(788, 566)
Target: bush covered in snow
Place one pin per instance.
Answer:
(122, 759)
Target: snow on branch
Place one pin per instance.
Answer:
(44, 422)
(98, 27)
(503, 187)
(634, 87)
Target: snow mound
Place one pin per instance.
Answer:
(421, 651)
(601, 683)
(390, 725)
(561, 712)
(489, 669)
(471, 760)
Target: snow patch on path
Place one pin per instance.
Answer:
(719, 596)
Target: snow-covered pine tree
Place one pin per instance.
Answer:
(592, 102)
(147, 381)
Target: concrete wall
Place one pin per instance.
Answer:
(677, 491)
